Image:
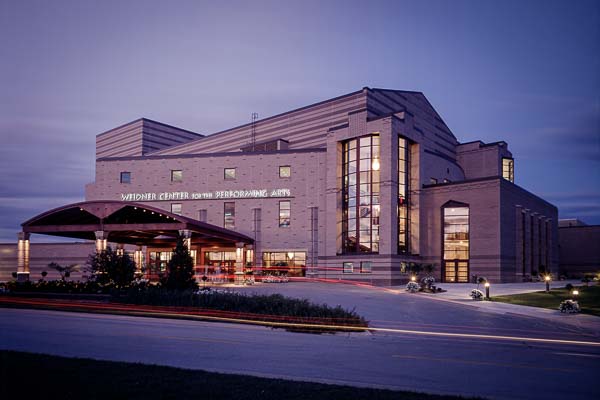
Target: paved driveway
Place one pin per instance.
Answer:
(399, 309)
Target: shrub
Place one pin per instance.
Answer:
(110, 268)
(59, 286)
(476, 294)
(266, 305)
(569, 307)
(412, 287)
(428, 281)
(569, 287)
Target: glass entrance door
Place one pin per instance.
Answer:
(456, 271)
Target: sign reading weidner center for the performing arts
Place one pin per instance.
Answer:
(213, 195)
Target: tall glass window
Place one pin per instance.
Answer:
(360, 186)
(508, 169)
(229, 215)
(403, 195)
(456, 244)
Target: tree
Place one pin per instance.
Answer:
(415, 268)
(180, 269)
(65, 272)
(109, 267)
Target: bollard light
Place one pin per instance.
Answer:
(547, 279)
(575, 292)
(487, 290)
(413, 278)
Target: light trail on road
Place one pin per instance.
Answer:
(216, 316)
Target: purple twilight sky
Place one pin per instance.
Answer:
(526, 72)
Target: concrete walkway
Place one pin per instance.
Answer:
(458, 293)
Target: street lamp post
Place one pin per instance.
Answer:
(487, 290)
(547, 279)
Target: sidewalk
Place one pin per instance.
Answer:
(458, 293)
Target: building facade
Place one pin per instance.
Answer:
(355, 187)
(578, 249)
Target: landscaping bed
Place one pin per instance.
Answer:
(80, 378)
(588, 299)
(298, 315)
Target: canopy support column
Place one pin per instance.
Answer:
(23, 257)
(101, 240)
(239, 263)
(137, 259)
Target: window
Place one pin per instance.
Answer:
(284, 213)
(176, 175)
(403, 195)
(456, 243)
(285, 171)
(365, 267)
(158, 262)
(176, 208)
(291, 263)
(433, 181)
(125, 177)
(229, 216)
(508, 169)
(229, 173)
(348, 268)
(221, 264)
(360, 188)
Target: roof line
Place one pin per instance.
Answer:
(267, 119)
(180, 218)
(154, 122)
(220, 154)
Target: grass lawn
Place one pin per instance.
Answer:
(589, 299)
(28, 375)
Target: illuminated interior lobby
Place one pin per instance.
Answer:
(351, 188)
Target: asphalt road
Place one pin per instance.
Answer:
(450, 365)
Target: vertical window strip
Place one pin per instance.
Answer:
(285, 208)
(229, 215)
(403, 195)
(360, 191)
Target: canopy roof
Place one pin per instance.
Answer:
(127, 222)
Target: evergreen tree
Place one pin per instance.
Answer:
(180, 269)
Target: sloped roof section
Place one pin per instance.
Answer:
(126, 222)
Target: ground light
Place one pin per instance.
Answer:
(547, 279)
(575, 294)
(413, 278)
(487, 290)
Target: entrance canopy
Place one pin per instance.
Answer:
(128, 223)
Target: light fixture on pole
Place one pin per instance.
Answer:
(487, 290)
(547, 279)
